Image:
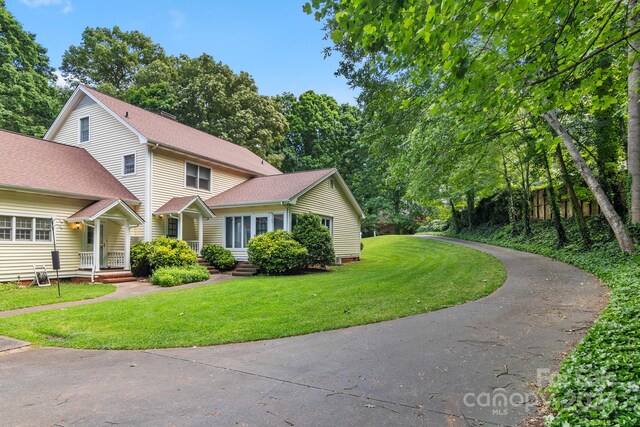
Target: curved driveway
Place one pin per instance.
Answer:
(472, 364)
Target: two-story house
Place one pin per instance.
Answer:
(109, 174)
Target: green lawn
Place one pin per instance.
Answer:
(12, 297)
(398, 276)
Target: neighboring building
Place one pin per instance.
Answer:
(113, 173)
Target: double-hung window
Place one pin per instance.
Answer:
(5, 227)
(198, 177)
(25, 229)
(237, 231)
(84, 129)
(129, 164)
(172, 227)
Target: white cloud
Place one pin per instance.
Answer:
(60, 81)
(66, 4)
(178, 18)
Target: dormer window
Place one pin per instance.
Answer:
(198, 177)
(84, 129)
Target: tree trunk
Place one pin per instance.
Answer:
(633, 128)
(575, 203)
(557, 220)
(616, 224)
(471, 207)
(512, 208)
(526, 200)
(454, 217)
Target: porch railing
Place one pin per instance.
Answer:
(194, 245)
(115, 259)
(86, 260)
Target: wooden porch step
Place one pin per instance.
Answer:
(113, 275)
(247, 270)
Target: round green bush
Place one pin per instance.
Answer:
(316, 238)
(277, 253)
(219, 257)
(146, 257)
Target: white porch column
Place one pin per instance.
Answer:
(127, 245)
(180, 226)
(200, 233)
(96, 244)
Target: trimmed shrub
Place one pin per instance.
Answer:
(277, 253)
(140, 254)
(161, 252)
(316, 238)
(219, 257)
(174, 276)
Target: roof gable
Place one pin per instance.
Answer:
(154, 128)
(30, 163)
(283, 188)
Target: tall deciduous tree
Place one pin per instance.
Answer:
(488, 59)
(28, 102)
(109, 56)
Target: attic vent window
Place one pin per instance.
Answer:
(332, 184)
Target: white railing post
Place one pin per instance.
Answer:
(96, 244)
(200, 234)
(127, 245)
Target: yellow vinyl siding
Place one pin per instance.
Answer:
(169, 181)
(332, 202)
(109, 141)
(16, 258)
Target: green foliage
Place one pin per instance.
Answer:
(277, 253)
(316, 238)
(109, 56)
(174, 276)
(28, 99)
(598, 383)
(163, 251)
(436, 225)
(221, 258)
(140, 259)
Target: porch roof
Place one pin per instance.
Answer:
(101, 207)
(178, 205)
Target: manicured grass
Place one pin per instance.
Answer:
(398, 276)
(13, 297)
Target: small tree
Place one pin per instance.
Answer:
(314, 236)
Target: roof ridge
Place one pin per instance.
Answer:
(167, 119)
(297, 172)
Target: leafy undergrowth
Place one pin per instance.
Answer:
(598, 384)
(398, 276)
(13, 297)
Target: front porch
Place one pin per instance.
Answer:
(183, 218)
(105, 227)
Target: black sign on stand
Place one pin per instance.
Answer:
(55, 257)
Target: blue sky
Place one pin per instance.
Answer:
(273, 40)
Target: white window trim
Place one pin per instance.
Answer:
(33, 240)
(270, 225)
(200, 165)
(80, 141)
(331, 223)
(135, 166)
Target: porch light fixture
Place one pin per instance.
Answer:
(76, 225)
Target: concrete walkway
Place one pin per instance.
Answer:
(472, 364)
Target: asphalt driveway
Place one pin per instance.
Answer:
(473, 364)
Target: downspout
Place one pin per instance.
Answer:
(148, 213)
